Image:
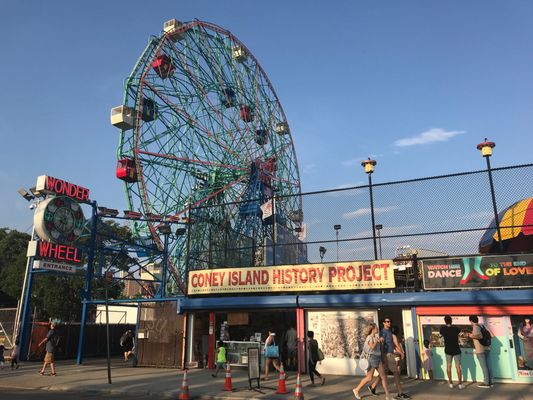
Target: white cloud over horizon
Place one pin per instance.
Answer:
(430, 136)
(366, 211)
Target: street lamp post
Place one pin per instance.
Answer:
(379, 227)
(337, 228)
(486, 151)
(368, 165)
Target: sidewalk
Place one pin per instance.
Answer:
(91, 377)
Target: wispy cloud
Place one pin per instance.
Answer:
(338, 192)
(366, 211)
(433, 135)
(482, 215)
(357, 160)
(309, 168)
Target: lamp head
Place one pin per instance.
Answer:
(24, 193)
(486, 148)
(368, 165)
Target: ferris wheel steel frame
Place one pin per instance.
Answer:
(199, 152)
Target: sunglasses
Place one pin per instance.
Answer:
(387, 321)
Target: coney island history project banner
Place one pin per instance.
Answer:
(306, 277)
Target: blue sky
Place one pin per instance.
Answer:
(414, 84)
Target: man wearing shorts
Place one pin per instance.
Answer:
(389, 360)
(452, 350)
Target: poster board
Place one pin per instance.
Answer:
(254, 372)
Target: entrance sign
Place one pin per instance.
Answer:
(54, 266)
(287, 278)
(486, 272)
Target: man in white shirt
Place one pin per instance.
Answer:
(482, 352)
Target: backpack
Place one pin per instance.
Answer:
(486, 336)
(55, 340)
(123, 339)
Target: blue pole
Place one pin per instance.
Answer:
(25, 313)
(88, 283)
(165, 268)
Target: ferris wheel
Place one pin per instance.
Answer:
(204, 141)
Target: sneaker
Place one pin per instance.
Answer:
(484, 386)
(403, 396)
(460, 386)
(356, 395)
(450, 385)
(372, 390)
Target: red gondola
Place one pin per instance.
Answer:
(126, 170)
(163, 67)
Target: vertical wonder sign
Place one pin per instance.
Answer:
(308, 277)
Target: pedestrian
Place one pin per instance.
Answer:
(2, 348)
(271, 352)
(221, 357)
(372, 349)
(525, 333)
(452, 350)
(482, 352)
(15, 352)
(52, 341)
(428, 360)
(389, 360)
(127, 344)
(312, 349)
(399, 353)
(291, 341)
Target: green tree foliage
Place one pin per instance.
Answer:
(58, 295)
(13, 245)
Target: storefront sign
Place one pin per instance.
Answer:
(315, 277)
(54, 266)
(49, 184)
(479, 272)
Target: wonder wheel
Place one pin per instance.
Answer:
(204, 141)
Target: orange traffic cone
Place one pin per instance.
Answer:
(298, 393)
(281, 381)
(227, 383)
(184, 392)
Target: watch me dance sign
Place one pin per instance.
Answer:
(478, 272)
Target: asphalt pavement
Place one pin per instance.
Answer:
(90, 381)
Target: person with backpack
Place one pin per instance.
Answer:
(52, 342)
(482, 339)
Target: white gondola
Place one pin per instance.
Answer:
(239, 53)
(282, 128)
(122, 117)
(171, 30)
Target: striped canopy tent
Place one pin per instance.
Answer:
(516, 229)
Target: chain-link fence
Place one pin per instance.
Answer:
(436, 216)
